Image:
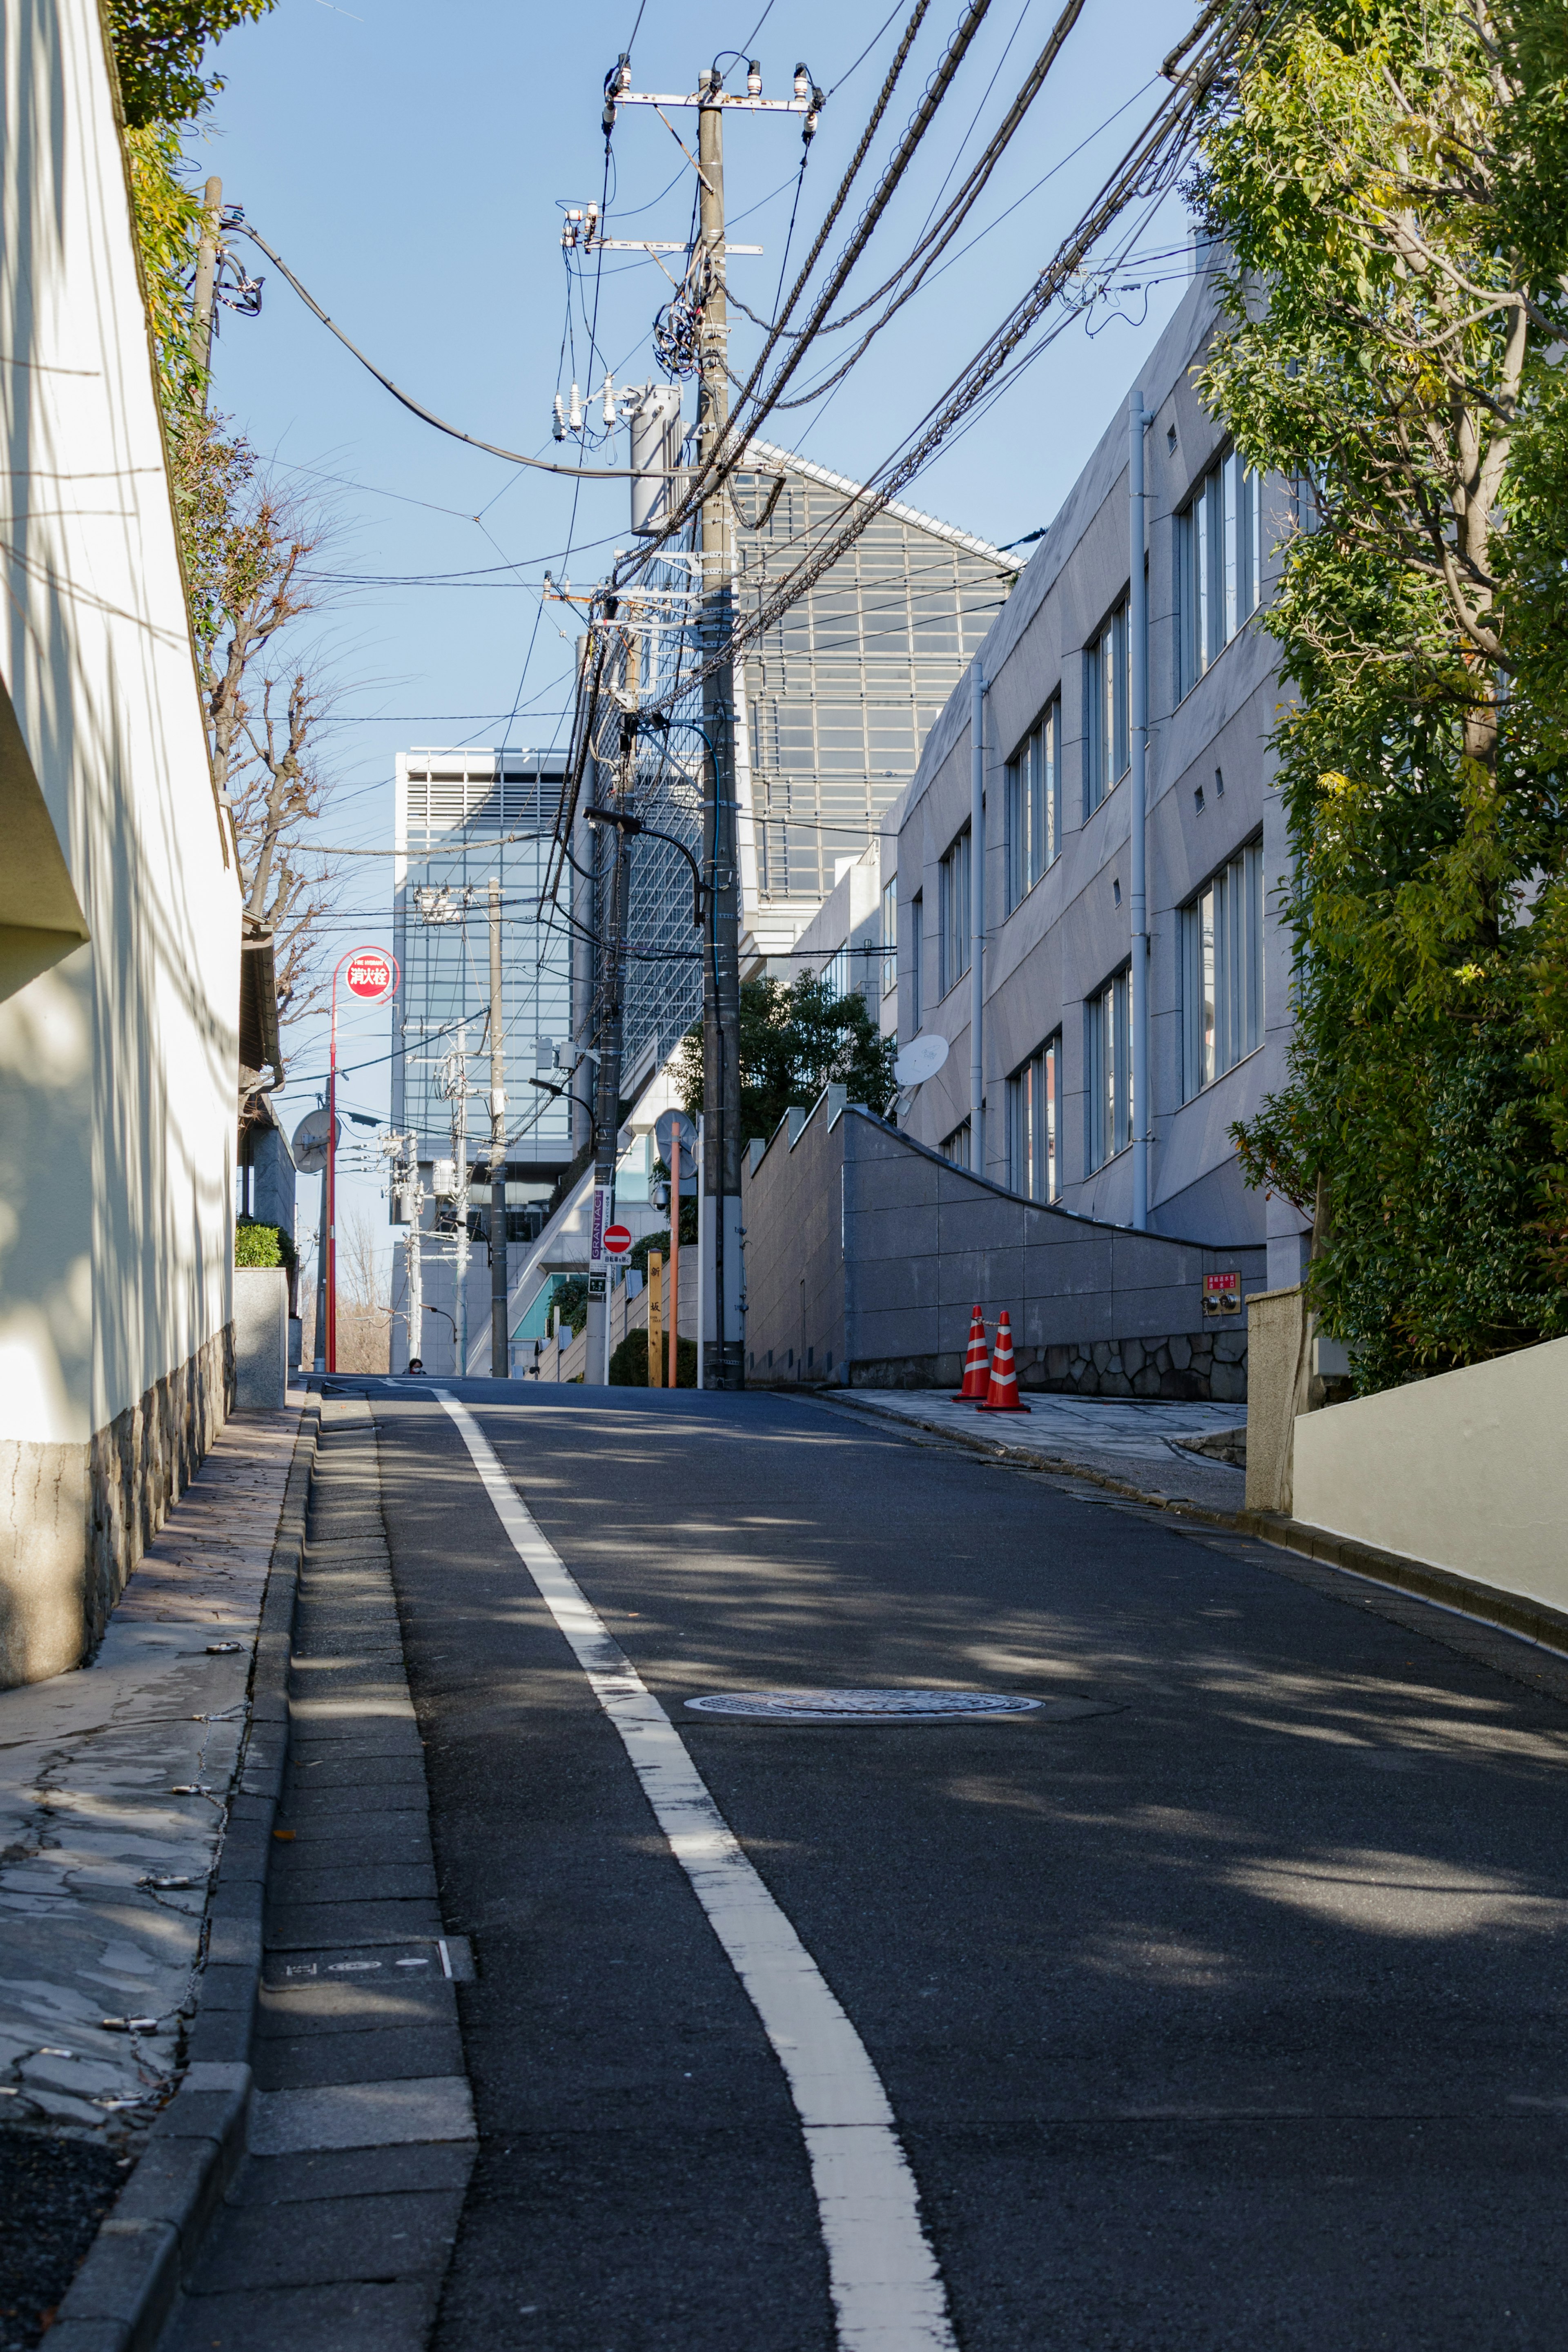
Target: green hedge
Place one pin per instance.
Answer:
(628, 1364)
(258, 1245)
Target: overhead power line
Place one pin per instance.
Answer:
(417, 408)
(935, 240)
(1148, 168)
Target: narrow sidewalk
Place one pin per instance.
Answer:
(338, 2227)
(115, 1783)
(1136, 1445)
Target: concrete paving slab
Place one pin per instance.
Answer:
(304, 1926)
(348, 2318)
(361, 2114)
(380, 2053)
(352, 2172)
(331, 2004)
(359, 1880)
(399, 2234)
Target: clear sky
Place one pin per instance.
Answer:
(409, 164)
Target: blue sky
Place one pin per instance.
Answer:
(408, 163)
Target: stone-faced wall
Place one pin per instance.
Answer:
(866, 1248)
(75, 1520)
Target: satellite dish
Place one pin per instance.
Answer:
(921, 1059)
(309, 1142)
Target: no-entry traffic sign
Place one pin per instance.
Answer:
(371, 975)
(617, 1239)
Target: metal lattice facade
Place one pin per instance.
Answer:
(839, 694)
(834, 701)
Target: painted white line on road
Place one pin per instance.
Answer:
(886, 2288)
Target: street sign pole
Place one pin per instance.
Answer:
(372, 977)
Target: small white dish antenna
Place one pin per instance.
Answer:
(921, 1059)
(310, 1141)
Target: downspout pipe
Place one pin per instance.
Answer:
(977, 919)
(1138, 728)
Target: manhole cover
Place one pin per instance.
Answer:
(860, 1705)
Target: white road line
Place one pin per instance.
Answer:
(886, 2288)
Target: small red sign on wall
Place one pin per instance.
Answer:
(1222, 1293)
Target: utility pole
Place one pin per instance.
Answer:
(457, 1077)
(721, 943)
(206, 280)
(500, 1365)
(610, 1030)
(722, 1276)
(408, 1192)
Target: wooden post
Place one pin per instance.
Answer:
(655, 1320)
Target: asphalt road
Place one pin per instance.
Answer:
(1231, 2014)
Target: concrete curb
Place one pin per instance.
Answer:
(1461, 1596)
(123, 2293)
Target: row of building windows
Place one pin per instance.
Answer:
(1221, 936)
(1222, 968)
(1218, 588)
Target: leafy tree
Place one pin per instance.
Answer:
(1388, 178)
(159, 47)
(795, 1040)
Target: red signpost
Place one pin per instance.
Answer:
(371, 976)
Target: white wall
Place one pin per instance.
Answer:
(1467, 1471)
(119, 902)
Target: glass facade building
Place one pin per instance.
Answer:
(462, 818)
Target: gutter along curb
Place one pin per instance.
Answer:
(1459, 1596)
(125, 2289)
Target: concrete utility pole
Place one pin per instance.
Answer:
(610, 1030)
(457, 1067)
(499, 1364)
(721, 1362)
(721, 943)
(206, 280)
(414, 1208)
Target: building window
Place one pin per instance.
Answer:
(1108, 1059)
(1033, 1095)
(1222, 970)
(1218, 564)
(836, 972)
(916, 961)
(890, 937)
(1107, 748)
(955, 1147)
(1034, 805)
(953, 914)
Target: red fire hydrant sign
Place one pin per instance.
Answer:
(371, 975)
(1222, 1293)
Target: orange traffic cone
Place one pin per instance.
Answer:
(1002, 1395)
(976, 1364)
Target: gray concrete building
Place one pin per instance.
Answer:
(1055, 1119)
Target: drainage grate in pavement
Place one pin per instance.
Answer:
(860, 1705)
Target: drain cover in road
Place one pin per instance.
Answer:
(860, 1705)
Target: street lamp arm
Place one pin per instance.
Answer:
(633, 824)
